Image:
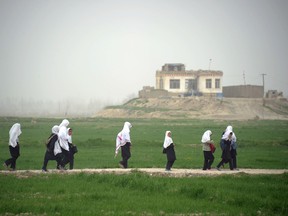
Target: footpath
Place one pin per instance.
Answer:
(154, 172)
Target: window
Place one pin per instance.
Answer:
(190, 84)
(161, 84)
(217, 83)
(208, 83)
(174, 84)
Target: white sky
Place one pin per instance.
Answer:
(109, 49)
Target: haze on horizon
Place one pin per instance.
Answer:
(104, 52)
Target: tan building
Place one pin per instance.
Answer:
(177, 80)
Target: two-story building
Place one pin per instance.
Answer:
(177, 80)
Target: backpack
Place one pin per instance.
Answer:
(212, 147)
(49, 143)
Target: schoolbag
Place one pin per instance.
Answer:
(212, 147)
(49, 144)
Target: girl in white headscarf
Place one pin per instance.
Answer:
(123, 141)
(72, 148)
(208, 155)
(53, 146)
(63, 141)
(233, 145)
(168, 148)
(14, 147)
(226, 149)
(63, 136)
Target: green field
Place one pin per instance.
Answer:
(262, 144)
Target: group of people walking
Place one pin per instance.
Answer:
(123, 141)
(228, 146)
(60, 148)
(227, 143)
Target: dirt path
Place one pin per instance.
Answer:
(155, 172)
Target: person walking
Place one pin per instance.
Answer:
(208, 155)
(234, 146)
(50, 150)
(123, 141)
(168, 148)
(72, 148)
(63, 141)
(14, 147)
(226, 150)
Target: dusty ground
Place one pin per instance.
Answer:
(154, 172)
(200, 108)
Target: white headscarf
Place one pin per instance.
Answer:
(228, 130)
(168, 140)
(14, 133)
(123, 136)
(57, 149)
(62, 136)
(126, 132)
(206, 136)
(55, 129)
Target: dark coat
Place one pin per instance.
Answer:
(171, 156)
(226, 153)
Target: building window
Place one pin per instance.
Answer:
(190, 84)
(217, 83)
(208, 83)
(161, 84)
(174, 84)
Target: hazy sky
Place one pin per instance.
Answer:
(109, 49)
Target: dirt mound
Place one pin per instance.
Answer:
(199, 108)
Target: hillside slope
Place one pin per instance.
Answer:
(199, 108)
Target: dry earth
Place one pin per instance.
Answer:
(200, 108)
(152, 172)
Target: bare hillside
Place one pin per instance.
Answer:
(199, 108)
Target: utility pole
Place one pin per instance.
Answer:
(263, 83)
(210, 64)
(211, 79)
(244, 78)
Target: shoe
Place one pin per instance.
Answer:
(5, 165)
(63, 168)
(168, 170)
(60, 168)
(218, 168)
(236, 169)
(121, 165)
(44, 170)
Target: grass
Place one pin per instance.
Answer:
(262, 144)
(139, 194)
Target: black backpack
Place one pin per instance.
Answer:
(50, 143)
